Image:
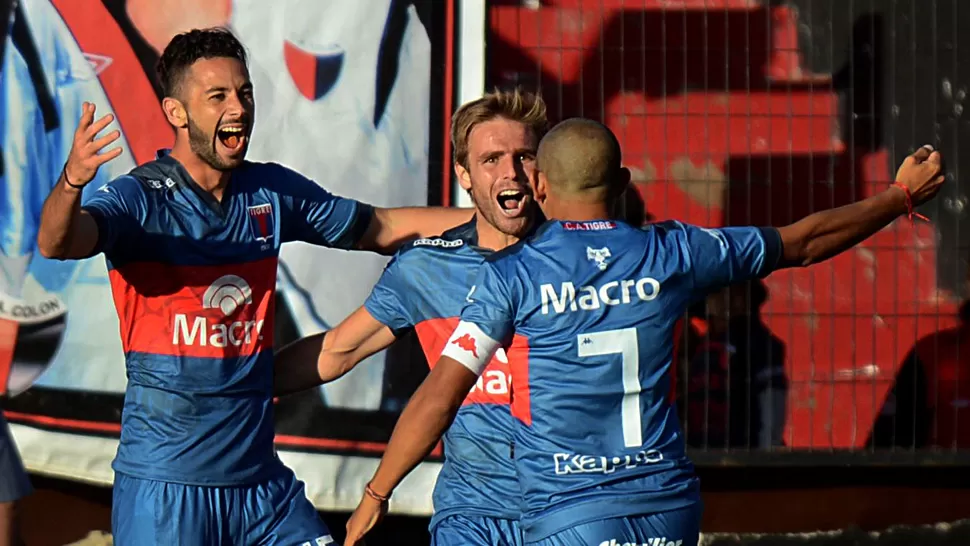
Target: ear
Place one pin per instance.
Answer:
(540, 188)
(625, 177)
(464, 177)
(175, 112)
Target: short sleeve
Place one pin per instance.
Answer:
(386, 302)
(119, 208)
(487, 321)
(728, 255)
(316, 216)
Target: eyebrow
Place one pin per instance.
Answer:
(223, 89)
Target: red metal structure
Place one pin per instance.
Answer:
(722, 123)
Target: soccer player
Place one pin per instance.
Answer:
(592, 302)
(476, 496)
(192, 241)
(14, 485)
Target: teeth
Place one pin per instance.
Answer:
(509, 193)
(231, 129)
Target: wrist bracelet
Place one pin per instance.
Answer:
(68, 180)
(369, 491)
(910, 213)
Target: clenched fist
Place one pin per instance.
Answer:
(922, 174)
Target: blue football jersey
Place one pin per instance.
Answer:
(424, 287)
(595, 304)
(193, 281)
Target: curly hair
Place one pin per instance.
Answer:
(188, 47)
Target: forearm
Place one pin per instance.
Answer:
(295, 366)
(57, 221)
(421, 425)
(325, 357)
(824, 234)
(391, 228)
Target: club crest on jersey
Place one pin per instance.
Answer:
(261, 222)
(598, 256)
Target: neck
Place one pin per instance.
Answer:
(491, 238)
(576, 211)
(209, 179)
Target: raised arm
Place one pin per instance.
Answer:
(66, 231)
(391, 228)
(825, 234)
(321, 358)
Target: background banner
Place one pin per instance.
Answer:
(345, 93)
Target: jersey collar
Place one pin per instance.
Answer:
(177, 172)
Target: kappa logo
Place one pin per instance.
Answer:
(262, 222)
(158, 184)
(443, 243)
(227, 293)
(467, 343)
(662, 541)
(598, 256)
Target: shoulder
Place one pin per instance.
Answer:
(430, 246)
(127, 189)
(668, 228)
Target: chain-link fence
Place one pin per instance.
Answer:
(761, 112)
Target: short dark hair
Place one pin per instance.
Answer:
(188, 47)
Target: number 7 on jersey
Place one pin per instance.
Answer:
(624, 343)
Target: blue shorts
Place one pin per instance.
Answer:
(476, 531)
(272, 513)
(681, 527)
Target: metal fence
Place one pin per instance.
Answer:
(761, 112)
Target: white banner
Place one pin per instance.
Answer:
(343, 94)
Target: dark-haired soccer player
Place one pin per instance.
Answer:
(192, 241)
(592, 302)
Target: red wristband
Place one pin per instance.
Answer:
(911, 214)
(369, 491)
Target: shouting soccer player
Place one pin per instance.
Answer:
(476, 496)
(192, 241)
(592, 302)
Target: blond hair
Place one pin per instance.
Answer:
(515, 105)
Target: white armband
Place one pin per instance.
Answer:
(470, 346)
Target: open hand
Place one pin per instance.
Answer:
(84, 159)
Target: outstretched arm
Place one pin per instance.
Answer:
(825, 234)
(66, 231)
(321, 358)
(391, 228)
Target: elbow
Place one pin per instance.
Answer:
(48, 249)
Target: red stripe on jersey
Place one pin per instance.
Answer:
(492, 387)
(519, 365)
(221, 311)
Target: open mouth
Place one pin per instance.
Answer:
(512, 202)
(232, 137)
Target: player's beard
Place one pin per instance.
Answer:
(488, 209)
(204, 146)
